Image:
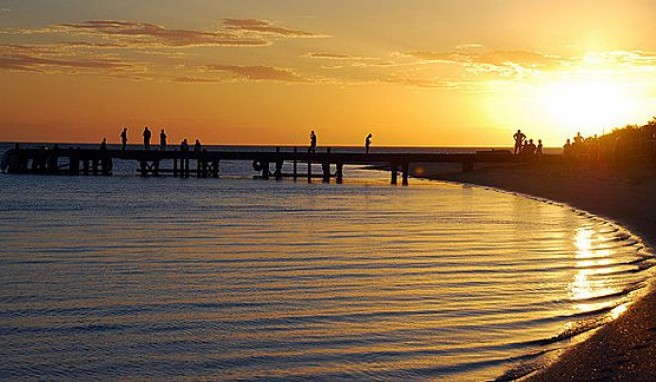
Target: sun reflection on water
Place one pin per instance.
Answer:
(589, 262)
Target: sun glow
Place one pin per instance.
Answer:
(587, 105)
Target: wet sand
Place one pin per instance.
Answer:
(625, 348)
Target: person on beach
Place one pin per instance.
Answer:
(184, 146)
(367, 143)
(124, 138)
(531, 149)
(103, 144)
(538, 150)
(313, 142)
(198, 146)
(567, 148)
(162, 140)
(146, 136)
(519, 138)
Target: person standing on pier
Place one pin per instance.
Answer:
(198, 146)
(124, 138)
(313, 142)
(367, 143)
(162, 140)
(146, 136)
(184, 146)
(103, 144)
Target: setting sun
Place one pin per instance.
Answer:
(586, 105)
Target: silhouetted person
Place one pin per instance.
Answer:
(146, 136)
(197, 146)
(367, 143)
(313, 141)
(567, 148)
(124, 138)
(530, 149)
(519, 138)
(103, 144)
(162, 140)
(538, 151)
(184, 146)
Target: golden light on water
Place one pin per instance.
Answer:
(589, 263)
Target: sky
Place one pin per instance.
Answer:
(411, 72)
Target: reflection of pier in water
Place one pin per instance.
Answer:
(206, 164)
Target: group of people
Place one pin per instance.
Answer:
(525, 148)
(147, 135)
(184, 145)
(313, 142)
(579, 147)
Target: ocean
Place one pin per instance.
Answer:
(126, 277)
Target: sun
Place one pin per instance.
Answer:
(586, 105)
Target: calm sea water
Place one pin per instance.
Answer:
(242, 279)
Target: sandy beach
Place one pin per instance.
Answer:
(625, 348)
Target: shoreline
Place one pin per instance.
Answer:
(624, 348)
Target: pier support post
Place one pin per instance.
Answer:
(279, 164)
(265, 170)
(156, 167)
(339, 173)
(85, 166)
(74, 163)
(143, 168)
(309, 166)
(106, 165)
(325, 167)
(405, 170)
(175, 166)
(395, 169)
(295, 163)
(215, 168)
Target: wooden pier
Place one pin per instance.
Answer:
(206, 164)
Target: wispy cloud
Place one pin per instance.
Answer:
(266, 27)
(148, 34)
(496, 58)
(37, 64)
(329, 56)
(195, 80)
(258, 72)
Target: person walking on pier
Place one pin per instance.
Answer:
(367, 143)
(519, 138)
(146, 136)
(313, 142)
(162, 140)
(124, 138)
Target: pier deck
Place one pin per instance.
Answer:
(76, 161)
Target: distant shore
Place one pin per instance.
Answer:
(625, 348)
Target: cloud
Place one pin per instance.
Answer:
(148, 34)
(38, 64)
(195, 80)
(265, 26)
(258, 72)
(495, 58)
(329, 56)
(506, 63)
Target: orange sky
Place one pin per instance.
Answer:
(411, 72)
